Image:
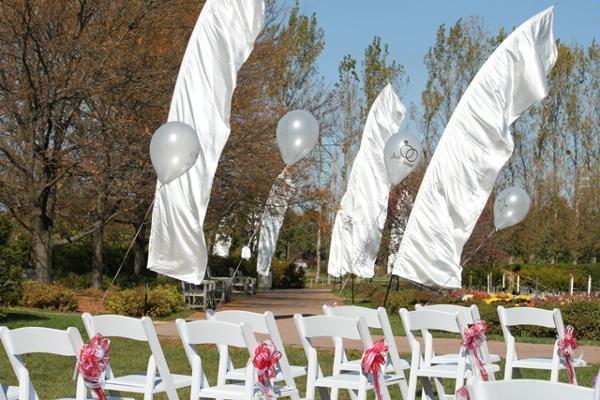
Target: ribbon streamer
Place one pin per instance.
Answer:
(566, 347)
(372, 359)
(93, 361)
(473, 339)
(266, 357)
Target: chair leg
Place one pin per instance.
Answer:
(362, 394)
(428, 393)
(508, 370)
(403, 386)
(412, 386)
(335, 393)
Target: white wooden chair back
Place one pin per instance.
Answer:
(524, 389)
(262, 324)
(465, 312)
(376, 319)
(332, 327)
(141, 329)
(222, 334)
(426, 320)
(18, 342)
(469, 315)
(519, 316)
(530, 316)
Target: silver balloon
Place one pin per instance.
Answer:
(297, 134)
(401, 155)
(511, 207)
(174, 149)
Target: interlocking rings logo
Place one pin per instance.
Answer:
(408, 154)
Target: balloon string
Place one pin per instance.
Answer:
(462, 265)
(137, 233)
(229, 283)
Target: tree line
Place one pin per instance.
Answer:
(83, 85)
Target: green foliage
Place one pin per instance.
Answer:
(50, 297)
(12, 258)
(223, 266)
(378, 71)
(286, 275)
(159, 301)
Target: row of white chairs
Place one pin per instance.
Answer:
(237, 329)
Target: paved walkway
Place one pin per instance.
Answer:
(285, 303)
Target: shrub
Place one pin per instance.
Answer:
(49, 296)
(286, 275)
(222, 266)
(161, 301)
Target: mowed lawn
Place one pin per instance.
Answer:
(52, 375)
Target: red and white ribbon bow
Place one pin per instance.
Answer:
(93, 361)
(266, 357)
(372, 359)
(473, 339)
(566, 346)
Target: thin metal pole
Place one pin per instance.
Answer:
(387, 292)
(352, 288)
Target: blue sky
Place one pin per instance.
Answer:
(409, 26)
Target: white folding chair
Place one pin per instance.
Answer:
(9, 392)
(470, 315)
(344, 328)
(421, 366)
(18, 342)
(525, 389)
(157, 378)
(376, 319)
(262, 324)
(224, 334)
(537, 317)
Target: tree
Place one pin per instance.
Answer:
(65, 64)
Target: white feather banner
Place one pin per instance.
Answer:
(363, 209)
(221, 42)
(281, 193)
(474, 147)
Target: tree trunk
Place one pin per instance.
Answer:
(318, 272)
(41, 249)
(97, 260)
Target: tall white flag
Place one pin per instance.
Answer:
(221, 42)
(474, 147)
(363, 210)
(277, 204)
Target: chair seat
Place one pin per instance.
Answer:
(450, 370)
(137, 383)
(239, 374)
(453, 358)
(349, 380)
(237, 391)
(354, 365)
(543, 363)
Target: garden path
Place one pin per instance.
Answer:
(285, 303)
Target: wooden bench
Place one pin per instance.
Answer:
(200, 296)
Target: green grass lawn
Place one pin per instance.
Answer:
(52, 374)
